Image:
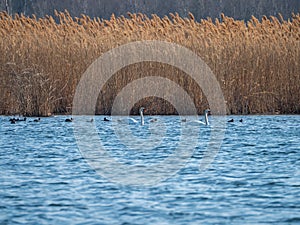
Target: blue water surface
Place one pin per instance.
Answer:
(254, 177)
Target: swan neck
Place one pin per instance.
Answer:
(142, 117)
(206, 119)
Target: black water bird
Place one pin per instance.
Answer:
(153, 120)
(230, 121)
(69, 120)
(241, 120)
(105, 119)
(14, 120)
(37, 120)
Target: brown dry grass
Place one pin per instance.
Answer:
(41, 61)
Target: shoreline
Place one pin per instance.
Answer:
(146, 115)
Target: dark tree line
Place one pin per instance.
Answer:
(238, 9)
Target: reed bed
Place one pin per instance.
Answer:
(256, 62)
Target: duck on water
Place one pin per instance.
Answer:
(14, 120)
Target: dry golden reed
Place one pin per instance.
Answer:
(256, 62)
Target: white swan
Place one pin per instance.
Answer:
(131, 120)
(142, 116)
(200, 122)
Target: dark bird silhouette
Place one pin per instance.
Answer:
(14, 120)
(230, 121)
(105, 119)
(69, 120)
(37, 120)
(241, 120)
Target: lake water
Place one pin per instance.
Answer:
(253, 178)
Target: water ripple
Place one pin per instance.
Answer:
(254, 178)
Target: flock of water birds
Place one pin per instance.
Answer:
(142, 121)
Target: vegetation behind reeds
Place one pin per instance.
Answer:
(257, 62)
